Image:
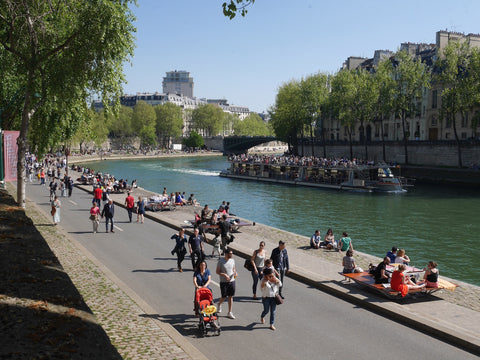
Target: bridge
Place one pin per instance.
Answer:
(240, 144)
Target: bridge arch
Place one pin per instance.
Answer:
(240, 144)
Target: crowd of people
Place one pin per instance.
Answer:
(269, 272)
(292, 160)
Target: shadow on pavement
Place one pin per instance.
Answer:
(42, 313)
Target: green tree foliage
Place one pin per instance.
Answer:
(288, 114)
(411, 76)
(195, 140)
(343, 99)
(230, 9)
(169, 122)
(314, 94)
(252, 125)
(120, 124)
(384, 106)
(208, 118)
(458, 77)
(144, 121)
(58, 51)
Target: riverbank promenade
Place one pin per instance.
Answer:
(59, 299)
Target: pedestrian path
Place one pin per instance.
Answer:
(452, 317)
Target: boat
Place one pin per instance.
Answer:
(362, 178)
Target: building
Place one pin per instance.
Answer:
(178, 82)
(425, 122)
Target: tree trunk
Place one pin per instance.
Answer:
(22, 146)
(350, 141)
(405, 140)
(383, 139)
(459, 149)
(313, 143)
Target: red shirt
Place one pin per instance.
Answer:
(130, 201)
(98, 193)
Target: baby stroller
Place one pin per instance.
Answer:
(207, 312)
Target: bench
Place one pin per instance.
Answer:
(366, 279)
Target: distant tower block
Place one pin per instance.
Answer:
(178, 82)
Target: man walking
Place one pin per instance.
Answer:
(108, 211)
(226, 271)
(280, 262)
(225, 228)
(70, 186)
(129, 202)
(97, 195)
(195, 246)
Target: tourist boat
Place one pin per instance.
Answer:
(365, 178)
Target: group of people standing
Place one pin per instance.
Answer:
(269, 272)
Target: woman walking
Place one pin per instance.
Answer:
(258, 263)
(201, 279)
(179, 249)
(95, 216)
(270, 285)
(140, 209)
(56, 210)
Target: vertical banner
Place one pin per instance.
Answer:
(10, 154)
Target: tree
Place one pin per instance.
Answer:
(144, 120)
(230, 9)
(343, 101)
(459, 80)
(410, 76)
(58, 51)
(169, 122)
(195, 140)
(384, 106)
(208, 118)
(252, 125)
(288, 114)
(120, 125)
(314, 94)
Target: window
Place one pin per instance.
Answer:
(434, 99)
(465, 120)
(434, 120)
(385, 130)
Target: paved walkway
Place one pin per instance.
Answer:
(452, 317)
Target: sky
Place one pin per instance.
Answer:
(247, 59)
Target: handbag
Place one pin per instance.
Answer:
(54, 210)
(93, 217)
(278, 299)
(248, 265)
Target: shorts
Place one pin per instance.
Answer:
(227, 289)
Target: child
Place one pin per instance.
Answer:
(216, 246)
(269, 265)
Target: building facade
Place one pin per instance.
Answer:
(425, 123)
(178, 82)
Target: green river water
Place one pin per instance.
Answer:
(437, 223)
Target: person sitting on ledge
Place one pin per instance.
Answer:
(392, 254)
(380, 274)
(402, 283)
(401, 258)
(315, 240)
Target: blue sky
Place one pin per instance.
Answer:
(246, 60)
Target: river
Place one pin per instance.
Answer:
(437, 223)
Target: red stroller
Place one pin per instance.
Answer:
(206, 311)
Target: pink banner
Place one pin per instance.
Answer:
(10, 154)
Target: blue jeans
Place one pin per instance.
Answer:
(269, 304)
(255, 278)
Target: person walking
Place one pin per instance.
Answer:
(258, 263)
(225, 229)
(129, 203)
(56, 204)
(108, 211)
(140, 209)
(228, 274)
(179, 249)
(70, 186)
(270, 286)
(97, 195)
(95, 216)
(280, 262)
(195, 246)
